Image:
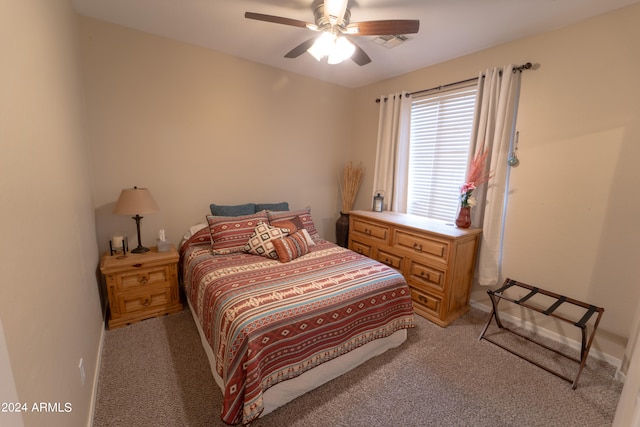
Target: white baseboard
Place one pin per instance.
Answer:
(545, 333)
(96, 376)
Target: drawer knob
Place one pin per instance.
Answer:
(137, 265)
(423, 299)
(417, 247)
(146, 302)
(144, 280)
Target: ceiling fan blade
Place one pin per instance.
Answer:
(360, 57)
(384, 28)
(277, 20)
(300, 49)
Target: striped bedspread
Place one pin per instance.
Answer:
(268, 321)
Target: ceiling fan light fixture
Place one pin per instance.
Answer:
(322, 46)
(342, 50)
(336, 49)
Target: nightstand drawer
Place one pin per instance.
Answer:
(157, 296)
(142, 277)
(372, 231)
(422, 245)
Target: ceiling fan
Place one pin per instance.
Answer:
(332, 21)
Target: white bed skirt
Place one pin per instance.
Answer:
(286, 391)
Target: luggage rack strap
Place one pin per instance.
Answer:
(581, 323)
(529, 295)
(507, 284)
(555, 305)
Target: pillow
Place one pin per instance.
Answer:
(260, 242)
(282, 206)
(193, 230)
(305, 217)
(233, 210)
(292, 247)
(294, 224)
(310, 241)
(229, 234)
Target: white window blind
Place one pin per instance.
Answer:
(441, 126)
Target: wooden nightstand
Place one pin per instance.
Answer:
(141, 286)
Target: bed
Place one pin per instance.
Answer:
(276, 323)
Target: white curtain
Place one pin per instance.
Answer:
(493, 130)
(391, 175)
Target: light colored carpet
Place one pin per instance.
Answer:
(155, 373)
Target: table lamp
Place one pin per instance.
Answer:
(136, 201)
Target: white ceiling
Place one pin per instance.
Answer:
(448, 28)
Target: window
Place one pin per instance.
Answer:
(441, 125)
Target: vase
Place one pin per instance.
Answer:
(464, 217)
(342, 230)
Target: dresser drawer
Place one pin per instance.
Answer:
(426, 302)
(422, 245)
(361, 248)
(377, 232)
(426, 276)
(392, 260)
(143, 277)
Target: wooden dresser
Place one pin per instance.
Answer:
(141, 286)
(436, 259)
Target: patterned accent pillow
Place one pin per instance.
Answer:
(294, 224)
(310, 241)
(260, 242)
(292, 247)
(229, 234)
(305, 217)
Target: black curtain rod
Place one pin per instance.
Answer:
(520, 68)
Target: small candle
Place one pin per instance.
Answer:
(116, 242)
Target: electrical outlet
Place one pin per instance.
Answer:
(81, 367)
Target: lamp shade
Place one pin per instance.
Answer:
(135, 201)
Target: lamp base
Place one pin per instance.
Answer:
(140, 249)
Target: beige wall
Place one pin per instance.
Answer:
(571, 225)
(199, 127)
(49, 301)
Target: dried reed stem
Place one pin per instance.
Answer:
(351, 180)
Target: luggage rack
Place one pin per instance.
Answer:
(589, 311)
